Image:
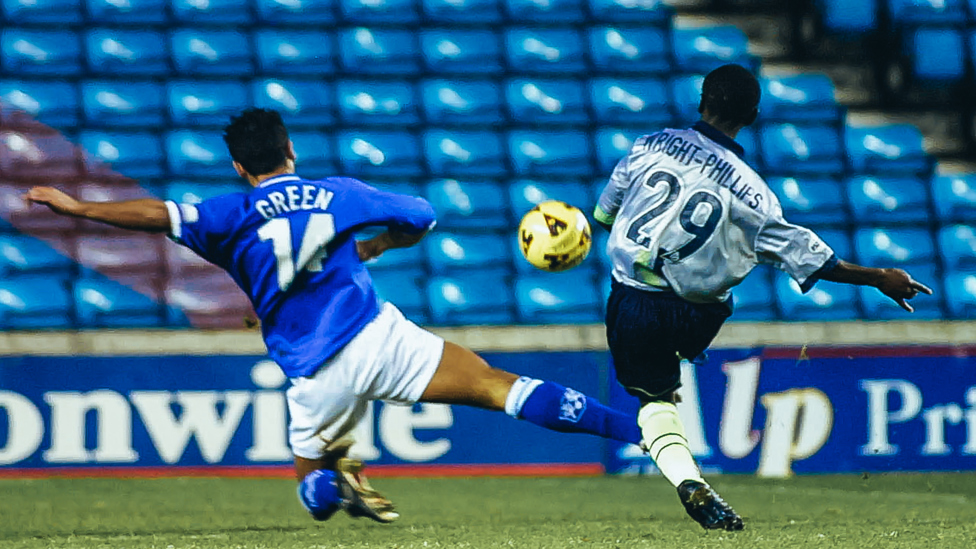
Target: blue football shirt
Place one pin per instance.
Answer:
(290, 245)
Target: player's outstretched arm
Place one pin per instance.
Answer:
(146, 214)
(894, 283)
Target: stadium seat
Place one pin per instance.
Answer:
(891, 200)
(958, 246)
(51, 12)
(472, 52)
(481, 253)
(24, 52)
(646, 12)
(296, 12)
(462, 102)
(532, 100)
(471, 299)
(32, 303)
(686, 93)
(630, 101)
(300, 102)
(366, 102)
(101, 303)
(937, 55)
(806, 96)
(810, 200)
(878, 306)
(612, 145)
(566, 298)
(206, 12)
(315, 152)
(839, 241)
(849, 18)
(754, 299)
(787, 148)
(198, 52)
(825, 301)
(52, 103)
(463, 11)
(134, 155)
(627, 49)
(464, 153)
(127, 11)
(960, 294)
(113, 52)
(467, 204)
(549, 153)
(209, 300)
(188, 192)
(706, 48)
(368, 12)
(524, 194)
(197, 154)
(294, 52)
(893, 247)
(405, 262)
(405, 292)
(182, 262)
(22, 255)
(895, 148)
(545, 50)
(548, 11)
(202, 103)
(42, 158)
(16, 212)
(132, 253)
(394, 154)
(379, 51)
(913, 12)
(114, 103)
(955, 197)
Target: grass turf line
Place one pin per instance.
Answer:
(889, 511)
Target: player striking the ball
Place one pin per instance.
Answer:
(688, 220)
(290, 245)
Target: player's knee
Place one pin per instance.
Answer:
(320, 495)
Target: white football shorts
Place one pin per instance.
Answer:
(391, 359)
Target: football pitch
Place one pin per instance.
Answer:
(909, 511)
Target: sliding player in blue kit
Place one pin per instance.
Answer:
(290, 245)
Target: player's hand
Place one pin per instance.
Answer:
(900, 286)
(58, 201)
(370, 249)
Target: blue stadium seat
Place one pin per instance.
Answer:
(134, 155)
(300, 102)
(102, 303)
(960, 294)
(450, 51)
(958, 246)
(955, 197)
(22, 255)
(296, 12)
(294, 52)
(647, 12)
(462, 102)
(394, 154)
(825, 301)
(849, 18)
(54, 12)
(399, 262)
(566, 298)
(886, 149)
(471, 299)
(53, 103)
(113, 51)
(894, 247)
(202, 103)
(788, 148)
(807, 96)
(205, 12)
(199, 52)
(706, 48)
(626, 49)
(379, 51)
(548, 11)
(754, 298)
(938, 55)
(197, 154)
(194, 193)
(463, 11)
(545, 50)
(630, 101)
(366, 102)
(750, 145)
(404, 291)
(892, 200)
(464, 153)
(315, 154)
(467, 204)
(127, 11)
(927, 11)
(368, 12)
(119, 103)
(33, 303)
(481, 253)
(599, 251)
(549, 153)
(525, 194)
(612, 145)
(810, 200)
(878, 306)
(24, 52)
(532, 100)
(686, 93)
(839, 241)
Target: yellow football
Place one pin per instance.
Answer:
(554, 236)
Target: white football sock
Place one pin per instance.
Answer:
(664, 439)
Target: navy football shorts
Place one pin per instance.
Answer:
(649, 333)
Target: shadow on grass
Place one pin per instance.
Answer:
(96, 532)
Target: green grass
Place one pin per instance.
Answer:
(898, 511)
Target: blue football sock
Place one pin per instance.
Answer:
(558, 408)
(319, 494)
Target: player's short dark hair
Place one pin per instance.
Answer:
(731, 94)
(257, 140)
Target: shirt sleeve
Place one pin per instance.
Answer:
(399, 212)
(200, 227)
(795, 250)
(613, 194)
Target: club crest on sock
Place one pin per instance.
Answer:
(572, 406)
